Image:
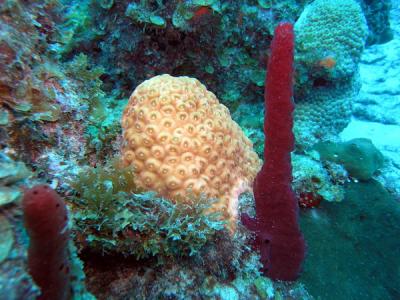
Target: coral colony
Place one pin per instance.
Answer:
(178, 137)
(199, 149)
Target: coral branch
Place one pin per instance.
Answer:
(45, 217)
(278, 235)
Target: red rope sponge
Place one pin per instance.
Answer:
(278, 235)
(46, 220)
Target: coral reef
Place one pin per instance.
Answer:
(317, 180)
(210, 274)
(168, 250)
(102, 122)
(26, 81)
(41, 108)
(67, 69)
(221, 43)
(181, 140)
(317, 31)
(110, 219)
(150, 37)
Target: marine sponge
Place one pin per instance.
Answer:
(334, 30)
(278, 236)
(181, 140)
(46, 221)
(359, 156)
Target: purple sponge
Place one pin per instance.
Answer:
(46, 221)
(278, 235)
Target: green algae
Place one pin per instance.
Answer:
(113, 216)
(7, 238)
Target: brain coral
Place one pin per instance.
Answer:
(180, 139)
(331, 34)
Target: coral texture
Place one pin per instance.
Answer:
(331, 29)
(46, 221)
(315, 179)
(324, 112)
(330, 38)
(180, 139)
(276, 225)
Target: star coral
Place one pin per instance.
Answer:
(181, 140)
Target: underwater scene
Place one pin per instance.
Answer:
(200, 149)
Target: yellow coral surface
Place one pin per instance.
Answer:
(181, 140)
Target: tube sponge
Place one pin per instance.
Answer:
(278, 236)
(46, 220)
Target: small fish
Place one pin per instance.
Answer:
(201, 12)
(327, 62)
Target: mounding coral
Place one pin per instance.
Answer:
(331, 29)
(144, 244)
(61, 105)
(181, 140)
(324, 111)
(330, 38)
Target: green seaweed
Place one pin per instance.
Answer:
(113, 216)
(104, 111)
